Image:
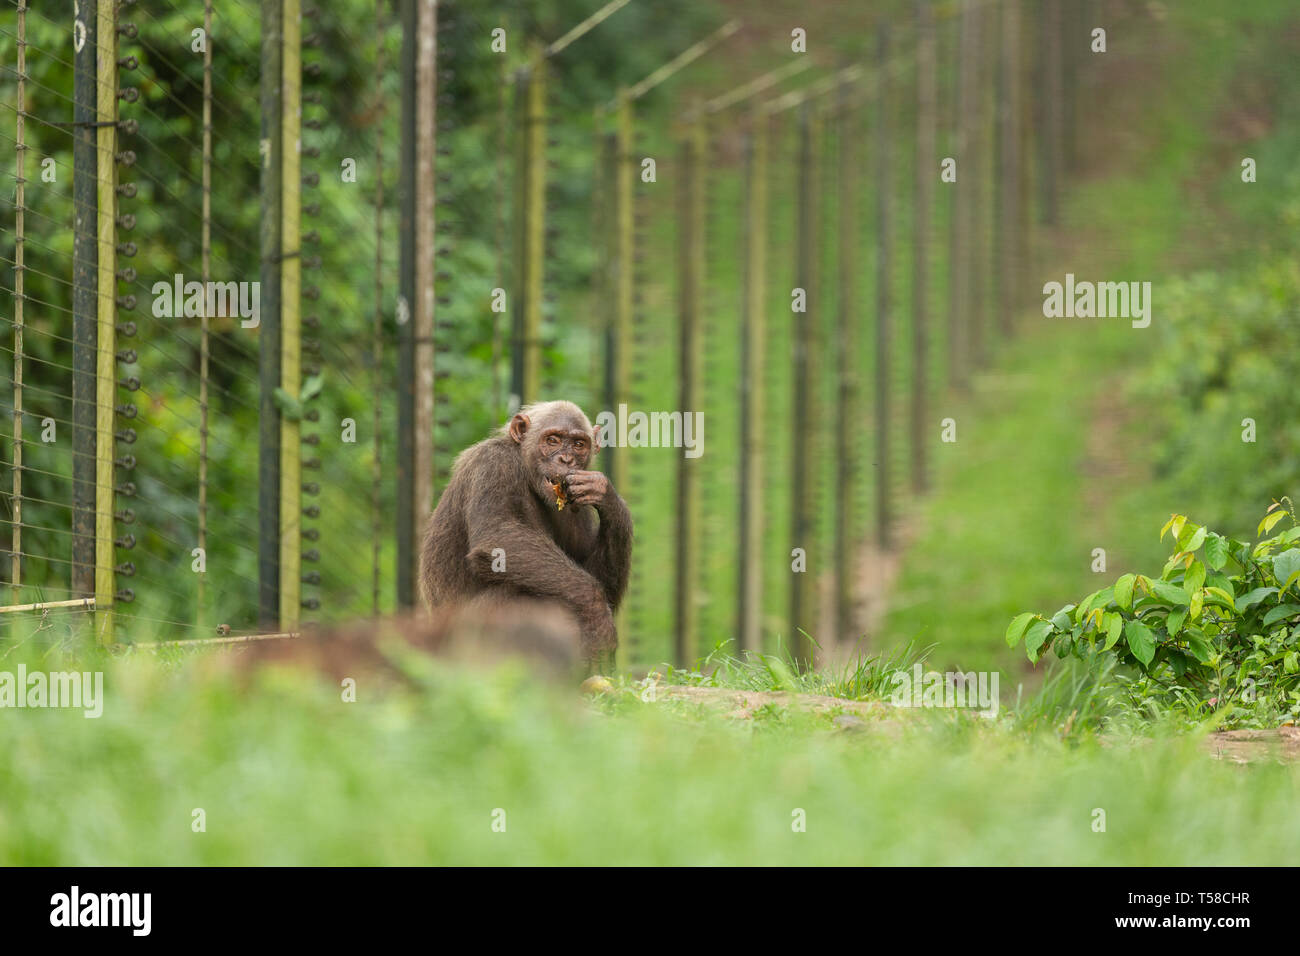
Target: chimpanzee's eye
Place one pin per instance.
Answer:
(552, 440)
(579, 444)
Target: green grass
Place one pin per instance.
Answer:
(288, 774)
(1009, 527)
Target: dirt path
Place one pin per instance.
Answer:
(1236, 746)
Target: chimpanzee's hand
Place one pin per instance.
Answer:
(588, 488)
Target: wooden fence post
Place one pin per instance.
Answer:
(291, 317)
(926, 171)
(690, 267)
(85, 304)
(846, 372)
(530, 232)
(106, 316)
(1009, 160)
(803, 589)
(268, 333)
(20, 185)
(752, 340)
(959, 294)
(884, 295)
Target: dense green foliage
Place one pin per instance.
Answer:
(351, 83)
(1220, 625)
(1223, 382)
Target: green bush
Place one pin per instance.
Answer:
(1219, 627)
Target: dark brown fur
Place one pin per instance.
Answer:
(501, 495)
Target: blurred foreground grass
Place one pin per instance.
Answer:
(286, 773)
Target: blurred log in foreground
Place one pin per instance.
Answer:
(477, 634)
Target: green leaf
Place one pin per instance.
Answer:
(1269, 521)
(1193, 537)
(1291, 663)
(1254, 597)
(1198, 602)
(1217, 579)
(1194, 579)
(1062, 617)
(1124, 592)
(1280, 612)
(1221, 597)
(287, 404)
(1035, 637)
(1169, 593)
(1094, 600)
(1174, 623)
(1140, 641)
(1113, 631)
(1216, 551)
(1200, 647)
(1285, 565)
(311, 387)
(1017, 627)
(1176, 525)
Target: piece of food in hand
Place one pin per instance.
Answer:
(560, 487)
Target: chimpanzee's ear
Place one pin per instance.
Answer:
(595, 440)
(518, 425)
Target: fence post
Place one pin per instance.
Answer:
(20, 162)
(690, 265)
(884, 296)
(620, 339)
(803, 590)
(426, 78)
(268, 333)
(752, 338)
(205, 247)
(1008, 166)
(291, 318)
(406, 291)
(85, 305)
(926, 170)
(106, 364)
(377, 319)
(845, 347)
(1049, 60)
(530, 232)
(978, 183)
(959, 294)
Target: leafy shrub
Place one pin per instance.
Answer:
(1220, 625)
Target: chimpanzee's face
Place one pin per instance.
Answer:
(555, 442)
(562, 449)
